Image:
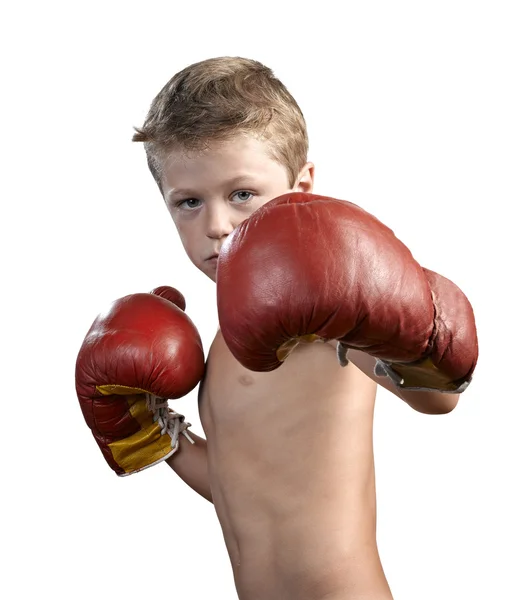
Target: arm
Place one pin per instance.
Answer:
(429, 403)
(190, 464)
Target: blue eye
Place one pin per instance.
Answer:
(243, 196)
(189, 203)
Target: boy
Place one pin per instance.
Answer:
(288, 461)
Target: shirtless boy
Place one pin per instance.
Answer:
(288, 456)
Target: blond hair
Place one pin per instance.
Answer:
(217, 99)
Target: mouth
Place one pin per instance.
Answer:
(213, 257)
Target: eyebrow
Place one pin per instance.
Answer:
(235, 181)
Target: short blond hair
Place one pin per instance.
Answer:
(217, 99)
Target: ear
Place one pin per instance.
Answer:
(305, 179)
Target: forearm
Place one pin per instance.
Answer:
(430, 403)
(190, 464)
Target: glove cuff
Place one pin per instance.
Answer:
(156, 440)
(419, 376)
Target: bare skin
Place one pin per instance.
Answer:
(291, 472)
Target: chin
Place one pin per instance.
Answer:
(209, 272)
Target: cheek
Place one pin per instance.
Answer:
(190, 240)
(275, 194)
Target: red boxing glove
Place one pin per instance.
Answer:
(141, 352)
(306, 267)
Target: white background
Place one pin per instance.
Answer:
(410, 110)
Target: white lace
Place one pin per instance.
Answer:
(171, 422)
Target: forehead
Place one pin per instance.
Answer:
(240, 157)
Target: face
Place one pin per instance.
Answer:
(209, 194)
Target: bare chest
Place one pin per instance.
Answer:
(308, 396)
(290, 458)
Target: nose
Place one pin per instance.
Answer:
(219, 224)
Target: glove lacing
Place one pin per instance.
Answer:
(171, 422)
(381, 369)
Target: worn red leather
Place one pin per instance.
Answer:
(307, 265)
(144, 344)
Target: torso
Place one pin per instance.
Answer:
(292, 475)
